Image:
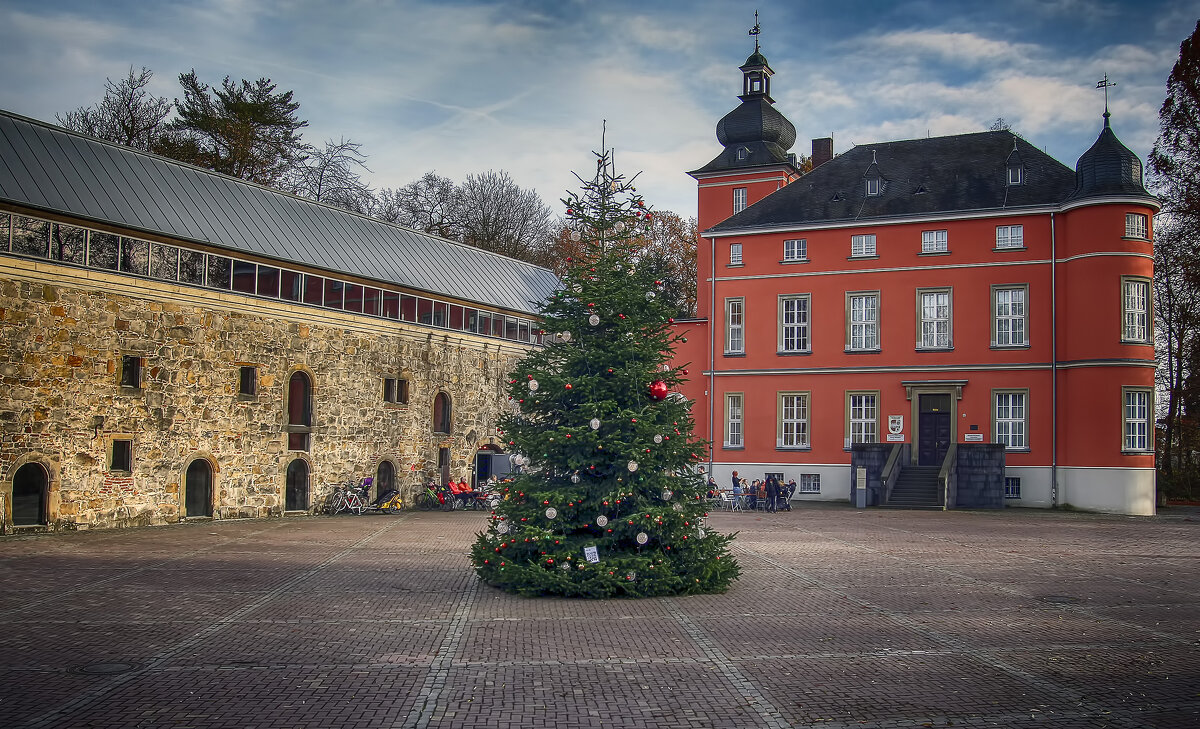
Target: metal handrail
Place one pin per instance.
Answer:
(948, 462)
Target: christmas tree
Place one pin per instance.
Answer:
(609, 501)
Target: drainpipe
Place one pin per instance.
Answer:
(1053, 367)
(712, 357)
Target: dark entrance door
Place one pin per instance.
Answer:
(197, 489)
(295, 494)
(29, 495)
(385, 478)
(933, 429)
(444, 464)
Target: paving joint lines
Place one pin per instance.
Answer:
(1050, 687)
(87, 698)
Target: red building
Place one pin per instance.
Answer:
(924, 293)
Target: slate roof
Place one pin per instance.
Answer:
(52, 169)
(1108, 168)
(938, 175)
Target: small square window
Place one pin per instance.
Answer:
(934, 241)
(735, 254)
(795, 250)
(131, 371)
(248, 381)
(1010, 236)
(122, 456)
(862, 245)
(1012, 487)
(1136, 226)
(810, 483)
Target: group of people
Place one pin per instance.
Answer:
(772, 492)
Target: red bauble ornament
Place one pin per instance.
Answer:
(658, 390)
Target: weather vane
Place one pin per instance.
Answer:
(755, 31)
(1104, 84)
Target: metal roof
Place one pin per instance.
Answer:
(52, 169)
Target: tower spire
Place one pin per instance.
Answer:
(755, 31)
(1105, 84)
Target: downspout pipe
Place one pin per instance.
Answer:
(712, 357)
(1053, 366)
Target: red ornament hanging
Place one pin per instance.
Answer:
(658, 390)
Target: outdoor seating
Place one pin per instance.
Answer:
(730, 502)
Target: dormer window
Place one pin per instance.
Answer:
(874, 186)
(742, 153)
(1016, 175)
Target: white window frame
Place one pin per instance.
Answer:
(739, 199)
(1010, 236)
(1010, 419)
(935, 241)
(734, 420)
(935, 318)
(795, 323)
(1016, 175)
(1137, 226)
(793, 423)
(862, 417)
(1135, 310)
(862, 246)
(874, 186)
(735, 325)
(810, 483)
(1137, 426)
(795, 249)
(862, 321)
(735, 254)
(1010, 315)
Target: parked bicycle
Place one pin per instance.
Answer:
(348, 496)
(435, 497)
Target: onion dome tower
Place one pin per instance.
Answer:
(1108, 169)
(755, 133)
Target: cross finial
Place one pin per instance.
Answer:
(1105, 84)
(755, 31)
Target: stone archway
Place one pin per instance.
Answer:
(198, 489)
(295, 492)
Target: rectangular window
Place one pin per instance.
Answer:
(810, 483)
(371, 301)
(934, 319)
(1011, 419)
(122, 456)
(334, 291)
(862, 417)
(1010, 236)
(68, 243)
(935, 241)
(735, 254)
(291, 285)
(220, 272)
(314, 290)
(30, 236)
(1009, 316)
(862, 321)
(5, 231)
(733, 420)
(402, 391)
(135, 256)
(1137, 420)
(353, 297)
(1012, 487)
(248, 381)
(191, 267)
(862, 245)
(131, 371)
(104, 251)
(735, 326)
(873, 186)
(793, 420)
(795, 250)
(408, 308)
(1135, 310)
(164, 262)
(1135, 226)
(268, 281)
(793, 323)
(1015, 175)
(389, 389)
(739, 199)
(391, 304)
(244, 277)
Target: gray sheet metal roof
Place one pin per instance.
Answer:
(52, 169)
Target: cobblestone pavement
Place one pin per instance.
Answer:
(841, 618)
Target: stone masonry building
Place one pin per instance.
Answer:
(178, 344)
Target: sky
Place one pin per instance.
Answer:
(526, 86)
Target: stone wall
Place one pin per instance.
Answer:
(64, 332)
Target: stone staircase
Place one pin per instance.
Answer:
(916, 488)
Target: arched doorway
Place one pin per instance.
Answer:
(385, 478)
(295, 495)
(198, 489)
(29, 495)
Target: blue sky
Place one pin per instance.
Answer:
(461, 86)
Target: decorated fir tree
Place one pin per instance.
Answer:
(608, 501)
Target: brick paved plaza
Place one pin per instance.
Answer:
(842, 618)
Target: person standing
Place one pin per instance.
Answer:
(737, 490)
(772, 489)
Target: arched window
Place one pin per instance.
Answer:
(198, 489)
(441, 413)
(385, 478)
(295, 495)
(299, 411)
(29, 495)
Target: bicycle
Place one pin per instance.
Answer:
(347, 496)
(434, 497)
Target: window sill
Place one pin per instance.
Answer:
(794, 352)
(791, 261)
(862, 351)
(792, 449)
(1136, 342)
(872, 257)
(934, 349)
(1017, 450)
(1009, 248)
(734, 354)
(1126, 452)
(131, 389)
(734, 265)
(727, 447)
(1138, 238)
(934, 253)
(395, 405)
(1010, 346)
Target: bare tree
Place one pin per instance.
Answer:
(330, 175)
(670, 251)
(497, 215)
(429, 205)
(128, 114)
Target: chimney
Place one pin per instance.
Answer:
(822, 151)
